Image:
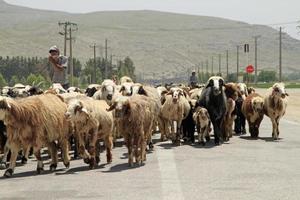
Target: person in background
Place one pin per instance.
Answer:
(59, 63)
(193, 79)
(114, 79)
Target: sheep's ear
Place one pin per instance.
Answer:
(122, 89)
(112, 107)
(286, 94)
(85, 110)
(142, 91)
(164, 92)
(78, 107)
(4, 104)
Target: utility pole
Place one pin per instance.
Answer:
(237, 62)
(64, 33)
(255, 57)
(95, 63)
(207, 66)
(220, 65)
(212, 65)
(280, 54)
(106, 67)
(227, 71)
(69, 27)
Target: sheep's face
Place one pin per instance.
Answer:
(216, 83)
(242, 87)
(232, 91)
(90, 91)
(76, 111)
(120, 106)
(257, 104)
(279, 90)
(201, 114)
(126, 89)
(176, 93)
(108, 91)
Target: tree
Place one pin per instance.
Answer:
(267, 76)
(2, 81)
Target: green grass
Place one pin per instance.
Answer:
(290, 85)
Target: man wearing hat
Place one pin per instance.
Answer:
(193, 79)
(59, 64)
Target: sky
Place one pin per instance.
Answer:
(275, 12)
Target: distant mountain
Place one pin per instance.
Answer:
(160, 43)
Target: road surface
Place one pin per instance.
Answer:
(240, 169)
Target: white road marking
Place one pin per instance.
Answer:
(171, 188)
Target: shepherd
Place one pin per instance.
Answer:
(59, 63)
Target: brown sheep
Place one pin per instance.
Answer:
(92, 122)
(136, 120)
(36, 121)
(232, 92)
(275, 104)
(252, 109)
(203, 124)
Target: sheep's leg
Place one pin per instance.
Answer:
(178, 132)
(274, 126)
(65, 152)
(53, 153)
(40, 165)
(25, 156)
(92, 149)
(138, 148)
(109, 146)
(82, 150)
(12, 163)
(130, 150)
(162, 129)
(98, 151)
(277, 125)
(4, 158)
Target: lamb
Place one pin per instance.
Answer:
(203, 124)
(92, 122)
(92, 89)
(136, 121)
(275, 104)
(252, 109)
(36, 121)
(174, 110)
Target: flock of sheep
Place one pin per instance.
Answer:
(32, 119)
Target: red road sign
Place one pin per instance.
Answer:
(249, 69)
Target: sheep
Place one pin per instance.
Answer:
(188, 124)
(136, 119)
(36, 121)
(253, 110)
(214, 100)
(275, 103)
(195, 93)
(107, 91)
(242, 87)
(174, 110)
(125, 79)
(231, 92)
(91, 89)
(155, 102)
(92, 123)
(202, 121)
(162, 91)
(58, 88)
(74, 89)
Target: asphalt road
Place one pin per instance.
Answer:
(240, 169)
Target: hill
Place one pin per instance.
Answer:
(161, 44)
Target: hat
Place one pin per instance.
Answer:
(53, 48)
